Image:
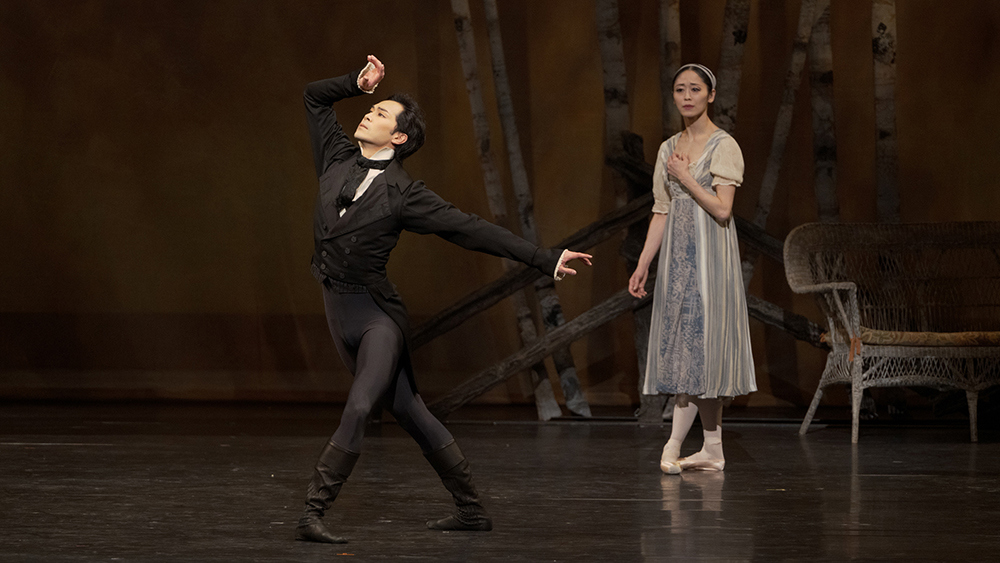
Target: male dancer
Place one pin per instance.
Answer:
(365, 201)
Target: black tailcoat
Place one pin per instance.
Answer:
(352, 251)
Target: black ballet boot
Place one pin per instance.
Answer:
(453, 469)
(332, 470)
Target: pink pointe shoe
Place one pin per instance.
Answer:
(688, 463)
(710, 457)
(668, 461)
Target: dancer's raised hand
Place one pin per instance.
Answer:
(372, 74)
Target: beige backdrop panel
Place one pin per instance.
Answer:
(158, 184)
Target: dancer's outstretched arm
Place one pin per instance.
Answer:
(425, 212)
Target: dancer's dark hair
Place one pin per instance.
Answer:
(703, 72)
(409, 121)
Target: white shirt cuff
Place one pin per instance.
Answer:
(562, 257)
(372, 91)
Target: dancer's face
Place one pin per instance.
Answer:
(692, 95)
(378, 127)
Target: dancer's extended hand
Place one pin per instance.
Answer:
(370, 79)
(637, 283)
(567, 257)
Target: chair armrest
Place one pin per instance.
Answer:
(836, 307)
(826, 287)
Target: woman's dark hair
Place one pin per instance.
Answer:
(701, 74)
(411, 122)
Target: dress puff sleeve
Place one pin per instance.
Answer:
(661, 199)
(727, 163)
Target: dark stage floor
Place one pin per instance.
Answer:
(162, 482)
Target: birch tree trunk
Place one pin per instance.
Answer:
(824, 138)
(886, 145)
(544, 396)
(619, 143)
(886, 148)
(616, 110)
(734, 38)
(551, 309)
(782, 125)
(670, 61)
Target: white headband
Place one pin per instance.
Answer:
(699, 67)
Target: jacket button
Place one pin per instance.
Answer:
(345, 263)
(354, 239)
(322, 266)
(347, 251)
(342, 276)
(323, 253)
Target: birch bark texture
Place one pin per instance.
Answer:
(670, 61)
(824, 135)
(886, 146)
(545, 401)
(782, 124)
(730, 71)
(616, 110)
(548, 299)
(621, 143)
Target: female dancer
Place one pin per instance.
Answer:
(699, 338)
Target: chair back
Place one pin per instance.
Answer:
(919, 277)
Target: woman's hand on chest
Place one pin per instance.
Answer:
(678, 166)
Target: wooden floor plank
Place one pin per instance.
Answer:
(222, 483)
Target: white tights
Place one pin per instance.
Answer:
(711, 415)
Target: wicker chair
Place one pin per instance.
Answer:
(913, 304)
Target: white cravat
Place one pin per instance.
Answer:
(382, 154)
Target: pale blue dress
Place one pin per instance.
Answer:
(699, 337)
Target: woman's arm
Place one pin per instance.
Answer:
(718, 205)
(654, 236)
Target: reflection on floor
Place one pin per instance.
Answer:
(176, 482)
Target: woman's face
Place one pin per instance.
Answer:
(692, 95)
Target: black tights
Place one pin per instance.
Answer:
(370, 344)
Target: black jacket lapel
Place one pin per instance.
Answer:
(330, 185)
(370, 207)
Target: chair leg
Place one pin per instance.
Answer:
(973, 398)
(856, 395)
(812, 411)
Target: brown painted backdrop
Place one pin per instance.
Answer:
(157, 182)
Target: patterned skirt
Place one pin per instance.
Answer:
(699, 337)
